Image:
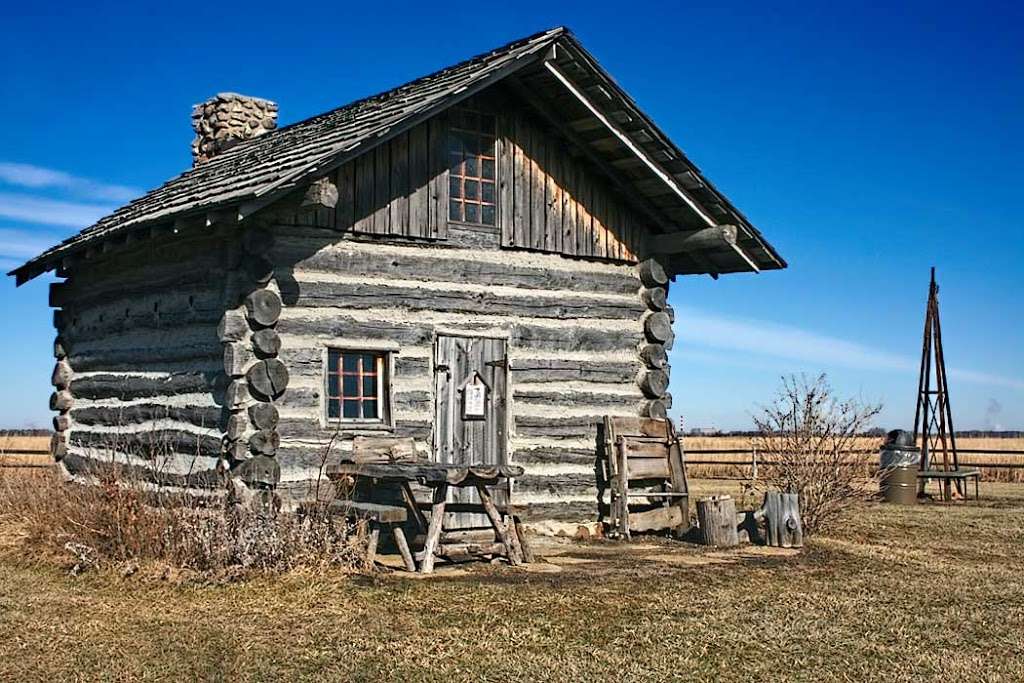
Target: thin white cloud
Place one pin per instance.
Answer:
(16, 243)
(764, 338)
(37, 177)
(32, 209)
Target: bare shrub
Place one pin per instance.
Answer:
(806, 435)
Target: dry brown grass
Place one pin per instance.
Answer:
(923, 593)
(710, 443)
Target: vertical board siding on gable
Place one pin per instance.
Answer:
(397, 188)
(556, 203)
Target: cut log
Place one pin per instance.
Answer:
(264, 442)
(716, 521)
(654, 355)
(781, 512)
(266, 342)
(60, 350)
(263, 307)
(237, 425)
(62, 373)
(61, 400)
(652, 273)
(260, 471)
(259, 268)
(654, 298)
(237, 395)
(233, 326)
(236, 451)
(656, 409)
(61, 422)
(257, 241)
(264, 416)
(715, 237)
(58, 446)
(653, 382)
(236, 359)
(321, 194)
(58, 294)
(657, 327)
(268, 378)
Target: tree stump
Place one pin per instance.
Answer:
(782, 519)
(716, 521)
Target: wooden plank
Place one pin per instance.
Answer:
(585, 228)
(649, 468)
(505, 168)
(419, 182)
(656, 519)
(538, 190)
(399, 205)
(381, 190)
(569, 207)
(553, 198)
(344, 214)
(438, 164)
(521, 183)
(362, 219)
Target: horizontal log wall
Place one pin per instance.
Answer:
(137, 329)
(573, 329)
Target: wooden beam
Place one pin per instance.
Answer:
(684, 242)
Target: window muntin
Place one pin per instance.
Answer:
(356, 385)
(472, 170)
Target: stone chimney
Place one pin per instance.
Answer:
(226, 119)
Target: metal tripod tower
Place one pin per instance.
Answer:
(933, 420)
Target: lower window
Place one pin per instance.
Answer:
(357, 385)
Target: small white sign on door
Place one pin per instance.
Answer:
(474, 400)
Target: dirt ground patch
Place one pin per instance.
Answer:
(878, 600)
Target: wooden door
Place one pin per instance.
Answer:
(471, 411)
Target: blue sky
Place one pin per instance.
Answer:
(867, 142)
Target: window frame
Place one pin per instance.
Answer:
(385, 388)
(451, 130)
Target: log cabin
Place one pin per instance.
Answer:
(479, 259)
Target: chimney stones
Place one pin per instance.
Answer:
(227, 119)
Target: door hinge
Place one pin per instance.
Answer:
(441, 368)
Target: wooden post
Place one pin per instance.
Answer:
(622, 487)
(753, 463)
(434, 530)
(782, 518)
(499, 527)
(716, 519)
(403, 546)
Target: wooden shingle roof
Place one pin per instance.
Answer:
(254, 173)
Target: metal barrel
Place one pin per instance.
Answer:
(899, 484)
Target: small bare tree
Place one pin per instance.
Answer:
(806, 438)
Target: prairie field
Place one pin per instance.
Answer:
(929, 592)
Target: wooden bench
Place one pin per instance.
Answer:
(378, 516)
(946, 476)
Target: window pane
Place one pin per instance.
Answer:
(454, 210)
(332, 361)
(454, 187)
(369, 362)
(472, 213)
(370, 409)
(455, 164)
(472, 167)
(332, 385)
(351, 409)
(351, 386)
(472, 189)
(487, 215)
(349, 362)
(334, 409)
(370, 386)
(487, 192)
(487, 168)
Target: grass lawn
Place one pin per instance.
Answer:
(928, 592)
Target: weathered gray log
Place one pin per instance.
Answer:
(61, 400)
(58, 446)
(266, 342)
(60, 320)
(716, 521)
(58, 295)
(61, 422)
(128, 387)
(657, 409)
(233, 326)
(237, 425)
(652, 273)
(715, 237)
(654, 298)
(59, 349)
(237, 357)
(263, 307)
(236, 451)
(62, 373)
(268, 378)
(264, 416)
(119, 414)
(257, 241)
(321, 194)
(654, 355)
(259, 471)
(657, 326)
(237, 394)
(434, 530)
(264, 442)
(653, 382)
(781, 511)
(259, 268)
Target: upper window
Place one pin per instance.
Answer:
(471, 167)
(357, 385)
